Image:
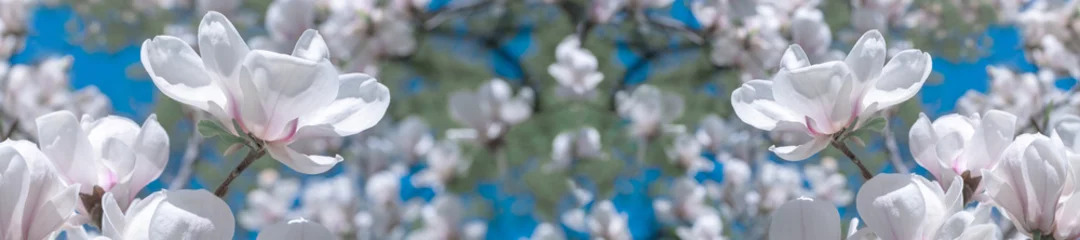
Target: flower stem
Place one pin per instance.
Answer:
(250, 158)
(839, 144)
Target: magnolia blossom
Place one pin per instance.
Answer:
(1029, 182)
(1020, 94)
(900, 206)
(687, 203)
(413, 138)
(112, 153)
(827, 183)
(583, 143)
(686, 153)
(816, 101)
(707, 227)
(295, 229)
(809, 30)
(605, 222)
(34, 200)
(491, 110)
(649, 109)
(779, 183)
(955, 145)
(278, 99)
(868, 15)
(1066, 130)
(286, 21)
(29, 92)
(270, 202)
(547, 231)
(166, 214)
(805, 218)
(444, 218)
(363, 34)
(14, 15)
(445, 162)
(575, 68)
(226, 6)
(330, 202)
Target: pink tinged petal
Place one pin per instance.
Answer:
(179, 73)
(279, 88)
(55, 204)
(1066, 128)
(867, 58)
(900, 80)
(899, 206)
(304, 163)
(222, 50)
(980, 232)
(62, 139)
(954, 195)
(120, 159)
(192, 214)
(818, 92)
(361, 103)
(311, 46)
(994, 133)
(805, 218)
(794, 58)
(954, 133)
(152, 152)
(299, 229)
(112, 220)
(754, 104)
(1027, 183)
(1068, 224)
(805, 143)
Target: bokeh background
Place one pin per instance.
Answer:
(513, 40)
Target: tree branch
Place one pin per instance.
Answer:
(839, 144)
(253, 155)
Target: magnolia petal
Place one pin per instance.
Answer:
(283, 88)
(867, 57)
(465, 108)
(112, 218)
(994, 133)
(192, 214)
(806, 144)
(14, 187)
(120, 159)
(179, 72)
(299, 229)
(1066, 128)
(794, 58)
(311, 46)
(361, 103)
(900, 80)
(307, 164)
(953, 132)
(139, 215)
(222, 50)
(805, 218)
(152, 149)
(923, 141)
(818, 92)
(754, 104)
(49, 215)
(63, 140)
(979, 232)
(894, 206)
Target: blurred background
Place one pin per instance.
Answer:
(557, 154)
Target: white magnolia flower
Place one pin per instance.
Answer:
(382, 189)
(649, 109)
(602, 11)
(491, 110)
(580, 144)
(779, 183)
(809, 30)
(816, 101)
(575, 68)
(706, 227)
(1021, 94)
(687, 203)
(901, 207)
(827, 183)
(112, 153)
(413, 138)
(880, 14)
(1066, 129)
(330, 202)
(299, 229)
(14, 14)
(278, 99)
(1054, 55)
(805, 218)
(385, 213)
(714, 132)
(686, 153)
(286, 21)
(444, 218)
(444, 163)
(225, 6)
(954, 145)
(547, 231)
(1028, 182)
(34, 200)
(271, 202)
(29, 92)
(166, 214)
(605, 222)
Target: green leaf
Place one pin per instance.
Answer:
(211, 129)
(876, 124)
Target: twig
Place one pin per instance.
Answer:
(893, 148)
(838, 144)
(250, 158)
(191, 153)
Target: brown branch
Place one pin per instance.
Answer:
(250, 158)
(838, 144)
